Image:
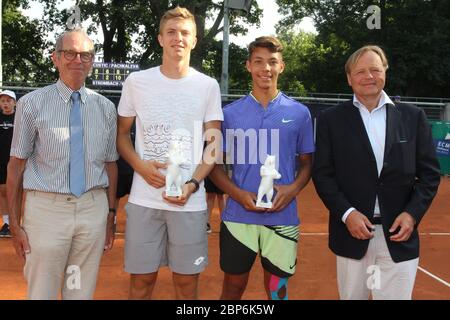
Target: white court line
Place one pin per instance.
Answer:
(419, 267)
(326, 233)
(422, 233)
(433, 276)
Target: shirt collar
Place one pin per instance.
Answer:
(276, 97)
(384, 100)
(65, 92)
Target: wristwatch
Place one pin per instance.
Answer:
(195, 182)
(112, 210)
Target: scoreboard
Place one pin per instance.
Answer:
(111, 74)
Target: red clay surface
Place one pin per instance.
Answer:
(315, 277)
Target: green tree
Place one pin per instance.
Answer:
(24, 54)
(130, 28)
(310, 64)
(413, 33)
(239, 78)
(299, 52)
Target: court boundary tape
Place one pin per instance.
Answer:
(422, 233)
(434, 276)
(418, 267)
(326, 233)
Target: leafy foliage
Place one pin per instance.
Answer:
(413, 33)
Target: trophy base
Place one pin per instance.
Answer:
(173, 193)
(267, 205)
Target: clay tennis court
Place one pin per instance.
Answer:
(315, 277)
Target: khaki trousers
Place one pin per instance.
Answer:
(376, 273)
(67, 238)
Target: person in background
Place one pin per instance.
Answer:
(7, 112)
(124, 178)
(213, 193)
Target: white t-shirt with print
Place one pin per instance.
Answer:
(165, 110)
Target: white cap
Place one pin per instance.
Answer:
(8, 93)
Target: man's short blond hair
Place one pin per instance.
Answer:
(177, 12)
(353, 59)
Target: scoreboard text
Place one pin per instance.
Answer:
(111, 74)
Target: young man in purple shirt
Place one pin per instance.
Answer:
(265, 122)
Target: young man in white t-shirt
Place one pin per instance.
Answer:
(171, 103)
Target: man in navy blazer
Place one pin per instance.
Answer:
(376, 170)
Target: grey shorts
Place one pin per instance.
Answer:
(155, 238)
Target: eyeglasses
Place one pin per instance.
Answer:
(70, 55)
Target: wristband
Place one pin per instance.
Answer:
(195, 182)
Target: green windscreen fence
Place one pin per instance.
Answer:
(441, 137)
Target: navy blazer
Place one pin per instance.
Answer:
(345, 174)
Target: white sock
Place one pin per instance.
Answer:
(5, 218)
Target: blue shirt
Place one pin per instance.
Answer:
(251, 133)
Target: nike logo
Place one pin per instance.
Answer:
(292, 267)
(286, 121)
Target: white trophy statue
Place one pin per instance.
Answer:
(174, 176)
(268, 174)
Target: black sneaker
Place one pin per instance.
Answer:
(4, 231)
(208, 228)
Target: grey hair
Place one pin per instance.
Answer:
(59, 41)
